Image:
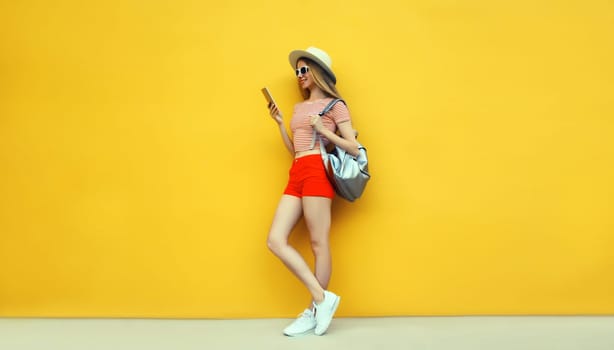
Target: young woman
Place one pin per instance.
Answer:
(309, 193)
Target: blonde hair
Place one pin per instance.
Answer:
(321, 79)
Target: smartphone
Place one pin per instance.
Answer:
(268, 97)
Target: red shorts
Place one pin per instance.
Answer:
(308, 178)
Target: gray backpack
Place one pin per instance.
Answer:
(348, 174)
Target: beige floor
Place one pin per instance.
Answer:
(433, 333)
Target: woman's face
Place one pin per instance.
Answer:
(305, 79)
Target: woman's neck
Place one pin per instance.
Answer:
(316, 94)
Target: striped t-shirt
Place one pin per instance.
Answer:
(302, 130)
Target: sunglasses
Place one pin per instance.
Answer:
(301, 71)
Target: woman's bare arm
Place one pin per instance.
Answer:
(347, 140)
(277, 117)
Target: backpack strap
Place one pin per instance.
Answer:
(329, 106)
(326, 109)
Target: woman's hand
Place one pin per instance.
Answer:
(275, 114)
(316, 123)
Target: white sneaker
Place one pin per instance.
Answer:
(302, 325)
(325, 311)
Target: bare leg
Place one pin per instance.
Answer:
(317, 217)
(288, 212)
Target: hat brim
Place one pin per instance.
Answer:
(298, 54)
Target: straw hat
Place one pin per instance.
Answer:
(317, 55)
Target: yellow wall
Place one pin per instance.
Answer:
(140, 170)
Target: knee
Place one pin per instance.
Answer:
(320, 247)
(275, 245)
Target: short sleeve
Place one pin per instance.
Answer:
(339, 113)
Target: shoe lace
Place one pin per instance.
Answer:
(305, 315)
